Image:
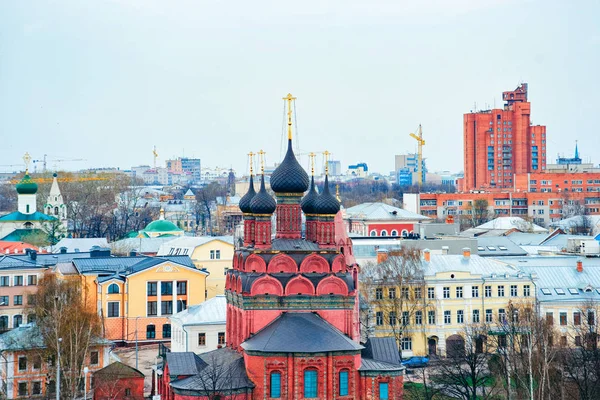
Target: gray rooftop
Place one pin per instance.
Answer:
(382, 212)
(210, 312)
(498, 246)
(127, 265)
(300, 333)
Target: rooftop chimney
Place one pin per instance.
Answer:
(427, 255)
(382, 256)
(445, 250)
(63, 250)
(579, 266)
(466, 253)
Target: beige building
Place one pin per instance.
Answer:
(211, 253)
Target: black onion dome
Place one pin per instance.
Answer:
(247, 198)
(308, 201)
(326, 203)
(289, 176)
(262, 203)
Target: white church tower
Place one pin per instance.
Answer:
(55, 205)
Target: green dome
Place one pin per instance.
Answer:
(161, 225)
(27, 185)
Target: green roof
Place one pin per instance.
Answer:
(162, 225)
(27, 185)
(19, 216)
(19, 234)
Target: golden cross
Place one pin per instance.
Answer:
(250, 155)
(262, 161)
(289, 98)
(337, 192)
(326, 155)
(312, 163)
(27, 160)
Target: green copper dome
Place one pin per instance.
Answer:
(27, 185)
(162, 225)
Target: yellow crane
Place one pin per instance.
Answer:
(419, 138)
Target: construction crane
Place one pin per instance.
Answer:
(55, 162)
(419, 138)
(71, 179)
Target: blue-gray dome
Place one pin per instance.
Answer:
(289, 176)
(262, 203)
(247, 198)
(308, 201)
(326, 203)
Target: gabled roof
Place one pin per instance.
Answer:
(498, 246)
(128, 265)
(81, 244)
(210, 312)
(9, 247)
(382, 349)
(296, 332)
(382, 212)
(118, 370)
(184, 363)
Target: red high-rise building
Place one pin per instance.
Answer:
(499, 143)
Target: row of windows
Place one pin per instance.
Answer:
(405, 318)
(166, 288)
(577, 318)
(311, 385)
(459, 291)
(393, 233)
(36, 361)
(18, 280)
(17, 300)
(17, 321)
(202, 338)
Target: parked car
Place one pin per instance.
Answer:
(415, 362)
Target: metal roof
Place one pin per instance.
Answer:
(498, 246)
(190, 243)
(210, 312)
(184, 363)
(381, 212)
(300, 333)
(368, 364)
(382, 349)
(127, 265)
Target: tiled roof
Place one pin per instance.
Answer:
(300, 333)
(381, 212)
(212, 311)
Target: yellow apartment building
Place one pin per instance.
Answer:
(135, 296)
(455, 290)
(213, 254)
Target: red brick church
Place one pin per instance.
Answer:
(292, 307)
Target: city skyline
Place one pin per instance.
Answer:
(364, 77)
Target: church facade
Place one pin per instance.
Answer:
(292, 306)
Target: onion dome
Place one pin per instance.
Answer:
(289, 176)
(308, 201)
(247, 198)
(326, 203)
(262, 202)
(27, 185)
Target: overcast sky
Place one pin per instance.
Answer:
(107, 80)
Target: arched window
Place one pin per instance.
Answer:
(27, 209)
(150, 332)
(55, 210)
(310, 384)
(275, 385)
(404, 233)
(30, 318)
(3, 323)
(343, 383)
(17, 321)
(373, 233)
(113, 288)
(394, 233)
(166, 331)
(383, 232)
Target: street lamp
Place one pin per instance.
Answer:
(58, 342)
(85, 372)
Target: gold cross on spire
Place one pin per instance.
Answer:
(250, 156)
(312, 163)
(326, 156)
(27, 160)
(337, 192)
(261, 155)
(289, 98)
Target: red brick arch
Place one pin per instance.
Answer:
(227, 282)
(332, 285)
(314, 263)
(339, 264)
(266, 285)
(238, 285)
(282, 263)
(300, 285)
(255, 263)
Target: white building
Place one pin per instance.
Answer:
(55, 205)
(200, 328)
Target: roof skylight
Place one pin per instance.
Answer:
(559, 291)
(573, 291)
(546, 291)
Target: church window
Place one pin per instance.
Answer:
(384, 233)
(343, 383)
(310, 383)
(55, 210)
(394, 233)
(113, 288)
(275, 385)
(27, 209)
(383, 391)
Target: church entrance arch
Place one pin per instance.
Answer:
(432, 346)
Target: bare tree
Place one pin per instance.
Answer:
(464, 374)
(480, 213)
(396, 289)
(65, 318)
(223, 374)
